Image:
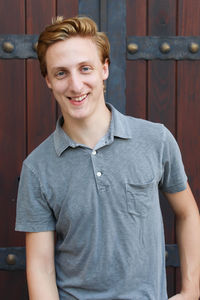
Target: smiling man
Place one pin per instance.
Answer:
(88, 196)
(75, 74)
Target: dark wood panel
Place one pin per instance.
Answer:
(12, 19)
(189, 17)
(13, 144)
(188, 95)
(67, 8)
(12, 140)
(136, 70)
(41, 106)
(162, 98)
(162, 17)
(13, 285)
(39, 14)
(161, 87)
(162, 93)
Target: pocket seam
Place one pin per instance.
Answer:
(135, 192)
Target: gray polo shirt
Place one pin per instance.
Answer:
(104, 205)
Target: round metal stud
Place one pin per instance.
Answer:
(133, 48)
(35, 46)
(11, 259)
(8, 47)
(165, 47)
(193, 47)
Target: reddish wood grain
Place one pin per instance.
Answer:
(12, 17)
(188, 95)
(161, 84)
(136, 70)
(162, 98)
(162, 17)
(68, 8)
(162, 93)
(13, 144)
(41, 106)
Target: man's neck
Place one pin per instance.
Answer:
(88, 132)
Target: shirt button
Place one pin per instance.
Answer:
(94, 152)
(99, 174)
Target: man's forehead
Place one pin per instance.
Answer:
(76, 43)
(76, 50)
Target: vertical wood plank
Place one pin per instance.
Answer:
(41, 115)
(162, 98)
(68, 8)
(136, 70)
(13, 144)
(161, 87)
(188, 95)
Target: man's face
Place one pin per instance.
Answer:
(75, 74)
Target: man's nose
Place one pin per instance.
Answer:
(75, 83)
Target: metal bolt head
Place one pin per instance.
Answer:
(165, 47)
(194, 47)
(133, 48)
(8, 47)
(11, 259)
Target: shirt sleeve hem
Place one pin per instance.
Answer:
(175, 188)
(33, 228)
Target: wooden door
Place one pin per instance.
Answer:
(165, 91)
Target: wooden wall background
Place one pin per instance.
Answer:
(161, 91)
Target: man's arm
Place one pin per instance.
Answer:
(40, 266)
(188, 237)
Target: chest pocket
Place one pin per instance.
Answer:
(139, 198)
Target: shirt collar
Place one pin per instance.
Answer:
(119, 124)
(118, 128)
(61, 140)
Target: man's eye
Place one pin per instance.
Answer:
(86, 69)
(60, 74)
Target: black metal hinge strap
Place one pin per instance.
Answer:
(18, 46)
(164, 48)
(12, 258)
(22, 46)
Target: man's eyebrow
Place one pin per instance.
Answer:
(88, 61)
(58, 68)
(67, 69)
(84, 62)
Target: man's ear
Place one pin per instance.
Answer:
(105, 69)
(48, 82)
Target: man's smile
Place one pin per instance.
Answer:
(78, 99)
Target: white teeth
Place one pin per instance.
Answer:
(79, 98)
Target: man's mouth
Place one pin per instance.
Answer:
(79, 98)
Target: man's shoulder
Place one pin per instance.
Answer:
(144, 128)
(42, 153)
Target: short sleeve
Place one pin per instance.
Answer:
(33, 212)
(173, 178)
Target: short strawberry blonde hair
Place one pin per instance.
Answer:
(63, 29)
